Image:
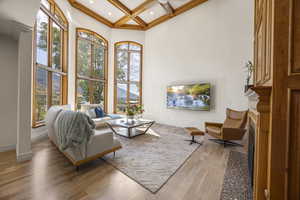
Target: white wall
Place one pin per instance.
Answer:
(209, 43)
(19, 10)
(9, 92)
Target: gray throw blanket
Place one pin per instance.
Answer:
(74, 129)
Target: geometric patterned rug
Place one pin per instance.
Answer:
(236, 185)
(151, 159)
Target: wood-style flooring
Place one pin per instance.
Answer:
(50, 176)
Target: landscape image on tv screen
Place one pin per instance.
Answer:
(192, 96)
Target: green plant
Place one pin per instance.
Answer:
(133, 109)
(250, 68)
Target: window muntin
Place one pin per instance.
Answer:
(128, 70)
(91, 68)
(50, 63)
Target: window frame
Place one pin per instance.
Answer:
(51, 13)
(80, 77)
(128, 82)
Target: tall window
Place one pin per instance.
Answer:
(91, 78)
(128, 75)
(50, 67)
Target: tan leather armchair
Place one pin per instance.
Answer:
(233, 128)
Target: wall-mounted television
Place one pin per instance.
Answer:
(189, 96)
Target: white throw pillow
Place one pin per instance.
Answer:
(91, 113)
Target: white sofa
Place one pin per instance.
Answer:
(100, 122)
(103, 142)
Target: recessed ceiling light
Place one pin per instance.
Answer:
(151, 13)
(109, 13)
(91, 1)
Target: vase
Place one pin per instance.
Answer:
(130, 119)
(139, 116)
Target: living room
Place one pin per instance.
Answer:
(149, 99)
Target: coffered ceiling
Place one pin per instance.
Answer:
(134, 14)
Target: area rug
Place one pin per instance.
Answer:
(151, 159)
(236, 185)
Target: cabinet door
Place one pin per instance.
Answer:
(293, 107)
(284, 147)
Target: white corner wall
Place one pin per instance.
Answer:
(209, 43)
(9, 92)
(21, 11)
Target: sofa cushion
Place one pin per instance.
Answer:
(101, 122)
(114, 116)
(99, 112)
(91, 113)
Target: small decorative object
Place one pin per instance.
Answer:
(250, 68)
(132, 110)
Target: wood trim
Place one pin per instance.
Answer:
(294, 42)
(127, 12)
(177, 11)
(54, 9)
(88, 159)
(293, 151)
(90, 13)
(261, 118)
(128, 82)
(97, 156)
(168, 8)
(120, 6)
(135, 12)
(51, 15)
(130, 27)
(105, 78)
(269, 43)
(278, 142)
(51, 69)
(139, 20)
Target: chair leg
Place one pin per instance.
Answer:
(193, 141)
(226, 142)
(114, 154)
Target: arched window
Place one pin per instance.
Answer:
(50, 60)
(128, 75)
(91, 65)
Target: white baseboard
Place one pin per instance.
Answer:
(7, 148)
(24, 156)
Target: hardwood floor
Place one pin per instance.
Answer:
(51, 176)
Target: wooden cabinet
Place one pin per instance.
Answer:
(277, 66)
